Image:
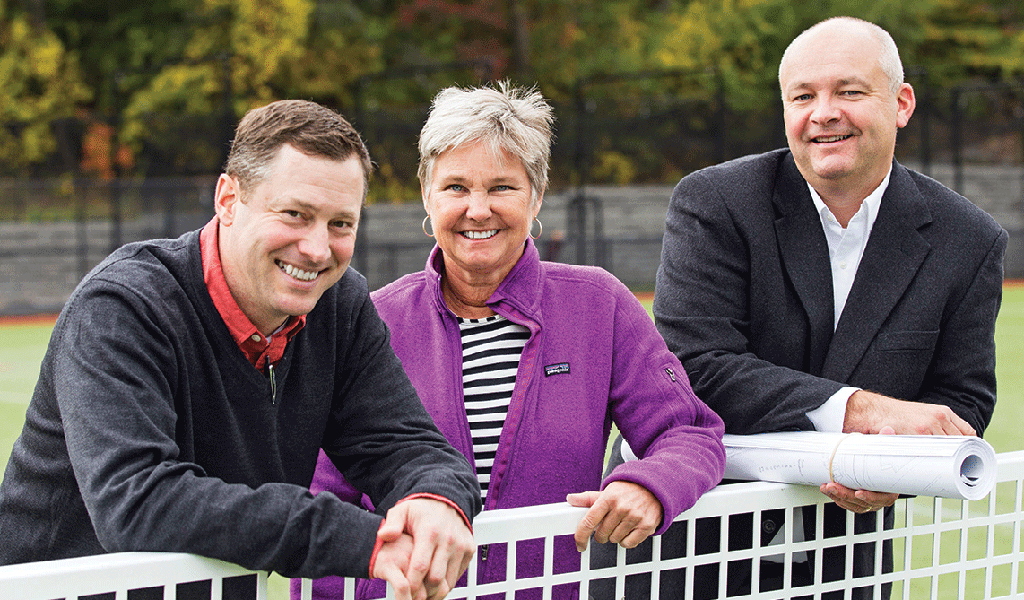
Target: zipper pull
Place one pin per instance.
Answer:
(483, 552)
(671, 374)
(273, 384)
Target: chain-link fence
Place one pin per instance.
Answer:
(622, 142)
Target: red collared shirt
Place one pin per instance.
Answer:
(253, 344)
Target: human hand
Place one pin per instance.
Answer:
(624, 513)
(859, 501)
(868, 412)
(442, 546)
(392, 563)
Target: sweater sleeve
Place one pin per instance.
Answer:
(678, 436)
(380, 437)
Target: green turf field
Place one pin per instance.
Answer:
(22, 347)
(21, 350)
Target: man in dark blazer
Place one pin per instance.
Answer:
(825, 286)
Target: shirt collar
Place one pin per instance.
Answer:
(252, 343)
(869, 207)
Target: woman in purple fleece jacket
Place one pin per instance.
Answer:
(523, 364)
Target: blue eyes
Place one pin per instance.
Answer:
(455, 187)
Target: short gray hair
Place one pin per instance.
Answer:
(888, 60)
(516, 120)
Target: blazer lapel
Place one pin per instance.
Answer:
(892, 257)
(804, 255)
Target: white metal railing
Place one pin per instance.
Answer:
(943, 549)
(122, 572)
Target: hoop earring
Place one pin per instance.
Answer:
(539, 233)
(425, 219)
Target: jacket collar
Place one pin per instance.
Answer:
(803, 250)
(520, 290)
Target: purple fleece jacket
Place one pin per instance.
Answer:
(593, 358)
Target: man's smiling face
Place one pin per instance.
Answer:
(291, 237)
(840, 111)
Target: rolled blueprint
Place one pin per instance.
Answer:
(925, 465)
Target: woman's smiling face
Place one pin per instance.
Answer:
(480, 207)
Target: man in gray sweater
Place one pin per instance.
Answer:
(189, 384)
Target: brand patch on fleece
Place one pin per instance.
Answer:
(556, 369)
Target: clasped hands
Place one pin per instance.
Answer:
(868, 412)
(426, 548)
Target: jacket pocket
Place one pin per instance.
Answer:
(907, 341)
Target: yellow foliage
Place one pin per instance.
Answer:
(39, 83)
(614, 167)
(265, 39)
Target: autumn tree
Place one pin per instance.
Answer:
(40, 86)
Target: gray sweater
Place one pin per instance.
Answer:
(149, 430)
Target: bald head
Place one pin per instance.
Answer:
(850, 28)
(843, 101)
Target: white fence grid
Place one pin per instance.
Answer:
(942, 549)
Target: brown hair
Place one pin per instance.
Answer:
(309, 127)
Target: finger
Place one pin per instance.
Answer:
(467, 557)
(613, 532)
(636, 537)
(588, 524)
(837, 491)
(638, 532)
(877, 500)
(854, 508)
(619, 524)
(438, 573)
(582, 499)
(850, 503)
(843, 496)
(419, 566)
(963, 428)
(946, 424)
(859, 501)
(459, 561)
(613, 528)
(394, 524)
(440, 591)
(393, 575)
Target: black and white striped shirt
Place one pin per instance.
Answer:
(491, 348)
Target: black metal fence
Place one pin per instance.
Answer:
(622, 142)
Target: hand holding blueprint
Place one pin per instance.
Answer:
(925, 465)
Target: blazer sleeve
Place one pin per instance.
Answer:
(703, 306)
